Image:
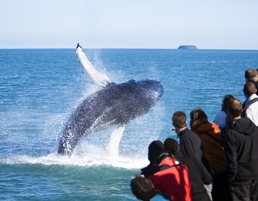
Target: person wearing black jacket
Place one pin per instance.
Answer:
(190, 142)
(241, 148)
(198, 174)
(156, 153)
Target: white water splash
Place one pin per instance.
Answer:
(99, 158)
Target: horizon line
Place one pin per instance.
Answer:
(140, 48)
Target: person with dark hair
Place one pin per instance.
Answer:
(220, 118)
(241, 153)
(213, 150)
(143, 189)
(156, 153)
(251, 75)
(167, 175)
(190, 143)
(250, 108)
(198, 174)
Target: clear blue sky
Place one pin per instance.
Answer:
(208, 24)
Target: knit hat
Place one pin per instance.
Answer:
(250, 73)
(156, 148)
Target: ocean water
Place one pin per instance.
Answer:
(40, 88)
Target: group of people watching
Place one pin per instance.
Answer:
(213, 160)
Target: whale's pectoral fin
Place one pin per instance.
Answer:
(96, 76)
(114, 141)
(78, 45)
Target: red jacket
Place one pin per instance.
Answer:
(172, 180)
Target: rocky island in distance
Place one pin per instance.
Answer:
(187, 47)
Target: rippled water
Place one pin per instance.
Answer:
(40, 88)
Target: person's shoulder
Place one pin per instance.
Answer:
(220, 118)
(185, 134)
(241, 126)
(149, 170)
(254, 96)
(192, 134)
(221, 114)
(189, 161)
(186, 131)
(189, 135)
(252, 100)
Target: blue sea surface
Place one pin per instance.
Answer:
(40, 88)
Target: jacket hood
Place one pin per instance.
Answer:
(243, 125)
(156, 149)
(203, 125)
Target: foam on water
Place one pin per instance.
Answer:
(93, 156)
(39, 146)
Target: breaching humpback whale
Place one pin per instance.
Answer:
(114, 105)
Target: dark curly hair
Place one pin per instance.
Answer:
(172, 146)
